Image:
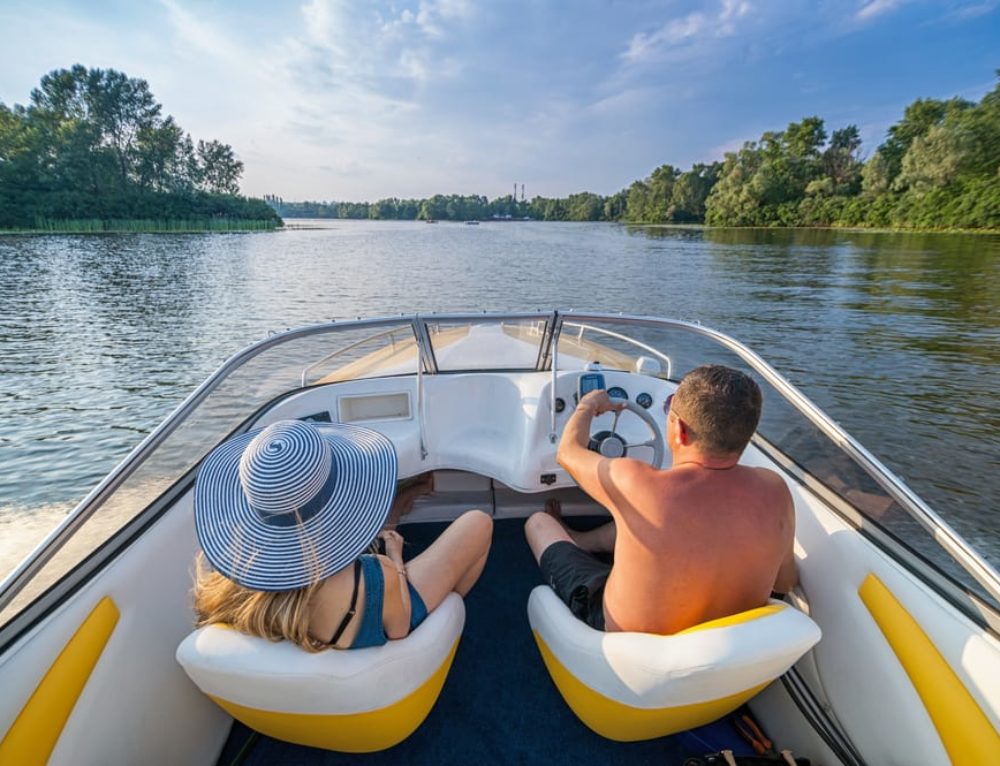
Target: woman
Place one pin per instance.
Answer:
(284, 515)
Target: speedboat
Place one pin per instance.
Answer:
(906, 671)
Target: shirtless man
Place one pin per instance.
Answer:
(703, 539)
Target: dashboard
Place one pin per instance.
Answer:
(498, 424)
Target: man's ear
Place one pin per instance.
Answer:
(683, 433)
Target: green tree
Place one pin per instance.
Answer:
(876, 175)
(934, 159)
(614, 206)
(220, 171)
(918, 118)
(691, 190)
(841, 160)
(93, 144)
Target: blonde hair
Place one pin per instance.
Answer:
(274, 615)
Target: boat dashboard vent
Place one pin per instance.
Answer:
(369, 407)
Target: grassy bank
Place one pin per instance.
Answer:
(837, 228)
(179, 226)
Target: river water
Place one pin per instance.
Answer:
(896, 336)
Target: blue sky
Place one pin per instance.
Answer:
(339, 100)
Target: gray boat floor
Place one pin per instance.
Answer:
(498, 704)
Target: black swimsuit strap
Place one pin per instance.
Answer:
(354, 602)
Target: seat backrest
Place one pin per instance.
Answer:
(266, 684)
(705, 663)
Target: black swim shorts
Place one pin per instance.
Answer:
(578, 578)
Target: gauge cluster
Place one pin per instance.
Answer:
(643, 398)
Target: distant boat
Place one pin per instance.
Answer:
(431, 220)
(472, 223)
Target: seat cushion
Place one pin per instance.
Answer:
(631, 686)
(357, 700)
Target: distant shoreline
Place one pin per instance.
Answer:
(238, 226)
(147, 226)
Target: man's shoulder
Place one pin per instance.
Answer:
(773, 487)
(630, 468)
(768, 475)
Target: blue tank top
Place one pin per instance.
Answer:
(372, 632)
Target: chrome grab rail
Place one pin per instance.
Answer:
(968, 558)
(633, 341)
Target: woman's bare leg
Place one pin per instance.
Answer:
(454, 561)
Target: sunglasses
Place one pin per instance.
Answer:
(666, 404)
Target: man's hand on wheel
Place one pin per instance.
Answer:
(598, 402)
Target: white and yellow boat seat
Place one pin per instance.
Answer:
(354, 701)
(636, 686)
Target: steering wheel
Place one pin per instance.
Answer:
(610, 444)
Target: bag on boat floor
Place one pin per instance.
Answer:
(749, 730)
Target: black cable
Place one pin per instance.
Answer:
(247, 746)
(828, 730)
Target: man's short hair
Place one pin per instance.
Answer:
(720, 406)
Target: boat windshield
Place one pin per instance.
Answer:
(793, 431)
(511, 344)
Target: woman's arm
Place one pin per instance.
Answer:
(396, 607)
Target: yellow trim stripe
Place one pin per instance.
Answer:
(624, 723)
(351, 732)
(734, 619)
(38, 726)
(966, 732)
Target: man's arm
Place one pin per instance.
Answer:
(598, 476)
(788, 573)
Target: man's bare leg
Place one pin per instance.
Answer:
(546, 527)
(542, 530)
(598, 540)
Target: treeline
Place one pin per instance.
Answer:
(453, 207)
(938, 168)
(93, 145)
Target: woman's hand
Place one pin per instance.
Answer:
(393, 546)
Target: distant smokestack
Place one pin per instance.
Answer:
(522, 192)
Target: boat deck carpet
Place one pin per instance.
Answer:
(498, 704)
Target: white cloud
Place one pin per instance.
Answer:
(876, 8)
(973, 11)
(691, 34)
(643, 47)
(734, 9)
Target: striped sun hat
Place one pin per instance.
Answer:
(288, 505)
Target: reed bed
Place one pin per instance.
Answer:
(177, 226)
